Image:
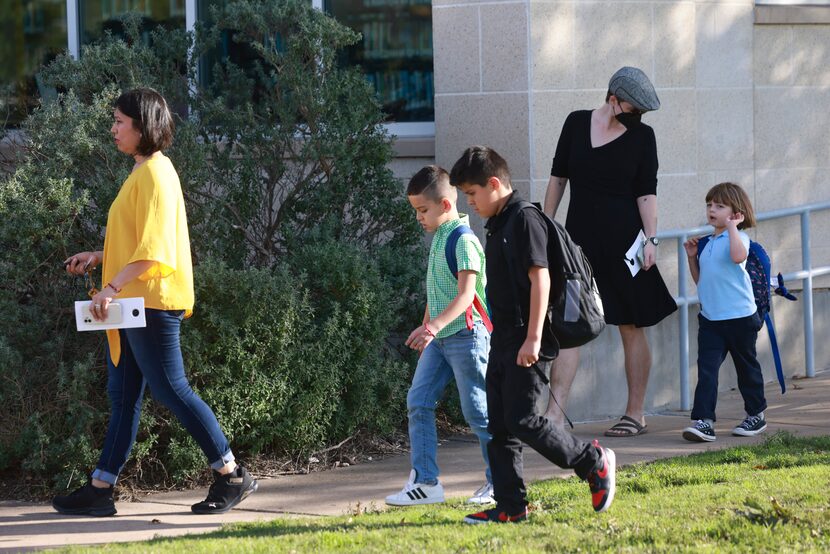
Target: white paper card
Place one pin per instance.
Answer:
(124, 313)
(632, 262)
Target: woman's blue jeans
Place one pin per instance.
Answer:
(464, 357)
(152, 355)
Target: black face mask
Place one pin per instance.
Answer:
(628, 120)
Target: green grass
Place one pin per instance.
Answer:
(769, 498)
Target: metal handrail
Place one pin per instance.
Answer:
(805, 275)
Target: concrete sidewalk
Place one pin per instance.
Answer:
(804, 410)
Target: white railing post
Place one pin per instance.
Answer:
(807, 295)
(682, 269)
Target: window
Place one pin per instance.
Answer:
(33, 33)
(395, 52)
(241, 55)
(792, 2)
(98, 16)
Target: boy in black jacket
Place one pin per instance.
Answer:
(517, 388)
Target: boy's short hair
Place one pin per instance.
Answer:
(433, 182)
(151, 117)
(732, 195)
(477, 164)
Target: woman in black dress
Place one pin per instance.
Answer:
(610, 158)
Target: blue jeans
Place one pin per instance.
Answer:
(152, 355)
(463, 356)
(715, 339)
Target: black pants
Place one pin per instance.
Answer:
(516, 401)
(714, 340)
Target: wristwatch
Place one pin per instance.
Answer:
(653, 240)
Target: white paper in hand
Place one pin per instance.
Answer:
(123, 313)
(632, 260)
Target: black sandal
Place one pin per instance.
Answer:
(626, 427)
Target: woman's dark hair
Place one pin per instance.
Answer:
(151, 117)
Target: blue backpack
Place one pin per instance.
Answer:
(759, 268)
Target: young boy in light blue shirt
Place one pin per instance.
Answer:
(454, 339)
(728, 320)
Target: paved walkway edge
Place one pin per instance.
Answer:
(803, 410)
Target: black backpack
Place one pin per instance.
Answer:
(574, 315)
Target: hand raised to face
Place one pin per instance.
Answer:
(734, 220)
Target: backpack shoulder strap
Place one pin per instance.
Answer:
(452, 243)
(510, 224)
(701, 244)
(507, 252)
(758, 251)
(452, 263)
(776, 354)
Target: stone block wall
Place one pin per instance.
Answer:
(741, 101)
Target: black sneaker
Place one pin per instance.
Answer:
(496, 515)
(701, 431)
(603, 480)
(226, 492)
(86, 501)
(751, 426)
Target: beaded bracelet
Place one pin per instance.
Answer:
(430, 333)
(110, 285)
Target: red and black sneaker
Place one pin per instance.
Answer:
(603, 481)
(496, 515)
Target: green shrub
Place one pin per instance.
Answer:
(343, 282)
(308, 263)
(287, 373)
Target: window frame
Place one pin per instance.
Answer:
(792, 12)
(792, 2)
(405, 130)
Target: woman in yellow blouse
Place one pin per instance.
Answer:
(147, 253)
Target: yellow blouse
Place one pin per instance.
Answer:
(147, 221)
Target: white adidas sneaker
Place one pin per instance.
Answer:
(414, 494)
(484, 495)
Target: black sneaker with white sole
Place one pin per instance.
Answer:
(701, 431)
(496, 515)
(226, 492)
(86, 501)
(751, 426)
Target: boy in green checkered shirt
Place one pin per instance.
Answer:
(454, 339)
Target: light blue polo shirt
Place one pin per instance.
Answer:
(724, 287)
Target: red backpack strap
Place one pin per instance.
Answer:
(452, 263)
(482, 311)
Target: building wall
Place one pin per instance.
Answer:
(405, 168)
(740, 102)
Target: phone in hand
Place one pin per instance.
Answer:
(123, 313)
(114, 315)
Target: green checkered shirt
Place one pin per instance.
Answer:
(442, 286)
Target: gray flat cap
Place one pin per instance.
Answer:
(631, 85)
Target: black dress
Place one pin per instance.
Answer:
(604, 219)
